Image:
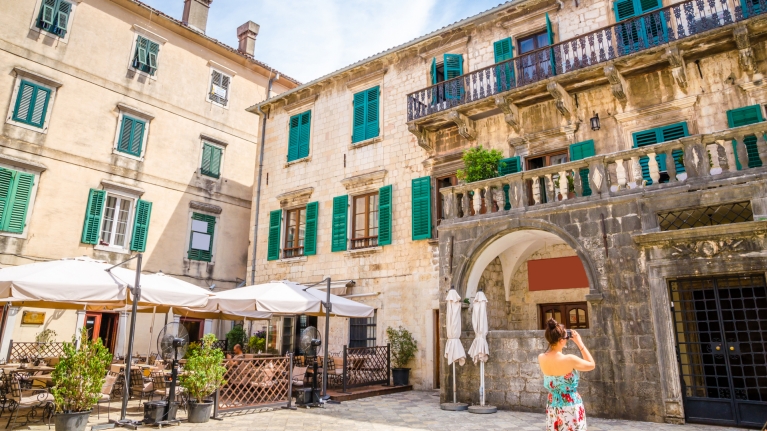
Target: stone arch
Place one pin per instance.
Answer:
(525, 237)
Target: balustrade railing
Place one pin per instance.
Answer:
(633, 35)
(662, 165)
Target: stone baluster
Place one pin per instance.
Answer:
(713, 153)
(477, 200)
(465, 203)
(761, 146)
(488, 199)
(536, 191)
(518, 193)
(741, 151)
(577, 182)
(598, 177)
(499, 197)
(652, 164)
(448, 204)
(695, 162)
(563, 184)
(550, 195)
(636, 172)
(729, 155)
(671, 166)
(620, 172)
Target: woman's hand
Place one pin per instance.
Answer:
(577, 338)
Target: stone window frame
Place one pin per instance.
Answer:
(151, 36)
(40, 32)
(130, 111)
(207, 209)
(299, 107)
(217, 67)
(32, 168)
(564, 320)
(35, 78)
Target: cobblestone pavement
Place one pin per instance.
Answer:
(416, 410)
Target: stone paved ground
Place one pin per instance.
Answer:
(416, 410)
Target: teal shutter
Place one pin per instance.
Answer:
(339, 230)
(550, 32)
(502, 50)
(275, 221)
(303, 135)
(365, 117)
(434, 71)
(197, 254)
(54, 16)
(656, 136)
(453, 65)
(145, 58)
(421, 208)
(16, 217)
(583, 150)
(141, 226)
(211, 161)
(750, 8)
(62, 21)
(48, 13)
(648, 5)
(624, 9)
(385, 215)
(6, 183)
(310, 235)
(93, 212)
(31, 104)
(504, 73)
(293, 137)
(742, 117)
(131, 136)
(507, 166)
(360, 108)
(371, 121)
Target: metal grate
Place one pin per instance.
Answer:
(738, 212)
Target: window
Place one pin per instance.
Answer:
(298, 136)
(362, 331)
(541, 161)
(145, 55)
(742, 117)
(219, 87)
(421, 208)
(295, 229)
(365, 221)
(450, 67)
(300, 232)
(201, 237)
(54, 17)
(583, 150)
(365, 119)
(31, 104)
(656, 136)
(649, 30)
(15, 197)
(130, 139)
(533, 42)
(504, 73)
(210, 165)
(108, 217)
(573, 315)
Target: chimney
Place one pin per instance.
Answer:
(247, 33)
(196, 13)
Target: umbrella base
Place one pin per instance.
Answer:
(483, 410)
(454, 407)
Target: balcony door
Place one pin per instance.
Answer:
(542, 161)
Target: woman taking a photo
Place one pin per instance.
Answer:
(560, 377)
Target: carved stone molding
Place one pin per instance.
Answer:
(444, 164)
(510, 111)
(678, 70)
(564, 102)
(457, 46)
(422, 135)
(543, 141)
(465, 125)
(301, 104)
(29, 165)
(356, 183)
(710, 248)
(674, 111)
(202, 206)
(617, 83)
(746, 56)
(366, 80)
(124, 188)
(295, 197)
(25, 73)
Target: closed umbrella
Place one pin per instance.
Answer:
(453, 348)
(479, 350)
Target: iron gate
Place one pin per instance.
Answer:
(721, 336)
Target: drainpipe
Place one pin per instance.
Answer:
(258, 181)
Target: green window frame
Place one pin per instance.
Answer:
(201, 237)
(145, 55)
(657, 136)
(131, 138)
(365, 118)
(421, 208)
(54, 17)
(583, 150)
(210, 165)
(298, 136)
(743, 117)
(15, 198)
(31, 105)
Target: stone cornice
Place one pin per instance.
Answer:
(205, 207)
(21, 163)
(213, 140)
(131, 190)
(661, 108)
(300, 105)
(356, 182)
(135, 111)
(731, 230)
(366, 80)
(25, 73)
(295, 197)
(458, 46)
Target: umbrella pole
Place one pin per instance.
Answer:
(128, 357)
(482, 383)
(327, 339)
(151, 334)
(455, 399)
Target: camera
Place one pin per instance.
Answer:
(569, 335)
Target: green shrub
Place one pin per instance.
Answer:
(204, 370)
(236, 336)
(256, 344)
(79, 375)
(480, 164)
(403, 346)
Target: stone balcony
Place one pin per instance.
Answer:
(667, 37)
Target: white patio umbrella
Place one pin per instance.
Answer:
(454, 351)
(283, 297)
(479, 350)
(164, 291)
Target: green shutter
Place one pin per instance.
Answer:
(624, 9)
(385, 215)
(648, 5)
(504, 74)
(358, 131)
(131, 136)
(16, 217)
(303, 135)
(550, 32)
(421, 208)
(31, 104)
(508, 166)
(6, 183)
(310, 235)
(293, 136)
(656, 136)
(48, 12)
(93, 213)
(502, 50)
(583, 150)
(62, 22)
(371, 120)
(203, 255)
(365, 117)
(211, 161)
(275, 221)
(145, 58)
(453, 65)
(141, 226)
(434, 71)
(340, 215)
(742, 117)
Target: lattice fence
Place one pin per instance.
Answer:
(220, 344)
(254, 382)
(29, 351)
(365, 366)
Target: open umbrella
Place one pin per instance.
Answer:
(453, 348)
(479, 350)
(164, 291)
(283, 297)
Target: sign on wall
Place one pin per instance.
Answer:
(32, 317)
(556, 273)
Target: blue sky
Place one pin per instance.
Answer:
(306, 39)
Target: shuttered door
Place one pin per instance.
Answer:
(339, 229)
(141, 226)
(385, 215)
(504, 73)
(310, 236)
(508, 166)
(275, 221)
(421, 208)
(579, 151)
(453, 68)
(93, 213)
(550, 32)
(743, 117)
(15, 218)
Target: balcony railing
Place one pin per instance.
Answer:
(691, 158)
(627, 37)
(364, 242)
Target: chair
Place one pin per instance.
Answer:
(140, 385)
(158, 381)
(106, 393)
(299, 377)
(335, 370)
(31, 399)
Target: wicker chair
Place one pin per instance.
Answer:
(30, 399)
(106, 393)
(140, 385)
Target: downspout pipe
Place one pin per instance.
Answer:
(257, 203)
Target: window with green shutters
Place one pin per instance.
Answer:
(504, 73)
(339, 227)
(638, 34)
(656, 136)
(275, 220)
(310, 235)
(365, 119)
(31, 104)
(15, 198)
(507, 166)
(201, 237)
(145, 55)
(743, 117)
(385, 215)
(298, 136)
(421, 208)
(141, 226)
(106, 221)
(54, 17)
(131, 137)
(582, 150)
(211, 160)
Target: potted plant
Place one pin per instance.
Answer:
(236, 336)
(257, 343)
(204, 375)
(479, 164)
(77, 379)
(403, 347)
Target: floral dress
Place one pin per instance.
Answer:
(564, 411)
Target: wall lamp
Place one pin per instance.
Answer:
(595, 122)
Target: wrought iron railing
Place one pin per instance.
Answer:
(627, 37)
(676, 162)
(31, 351)
(253, 383)
(362, 366)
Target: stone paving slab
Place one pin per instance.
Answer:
(414, 410)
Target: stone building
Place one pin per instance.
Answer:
(629, 203)
(121, 126)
